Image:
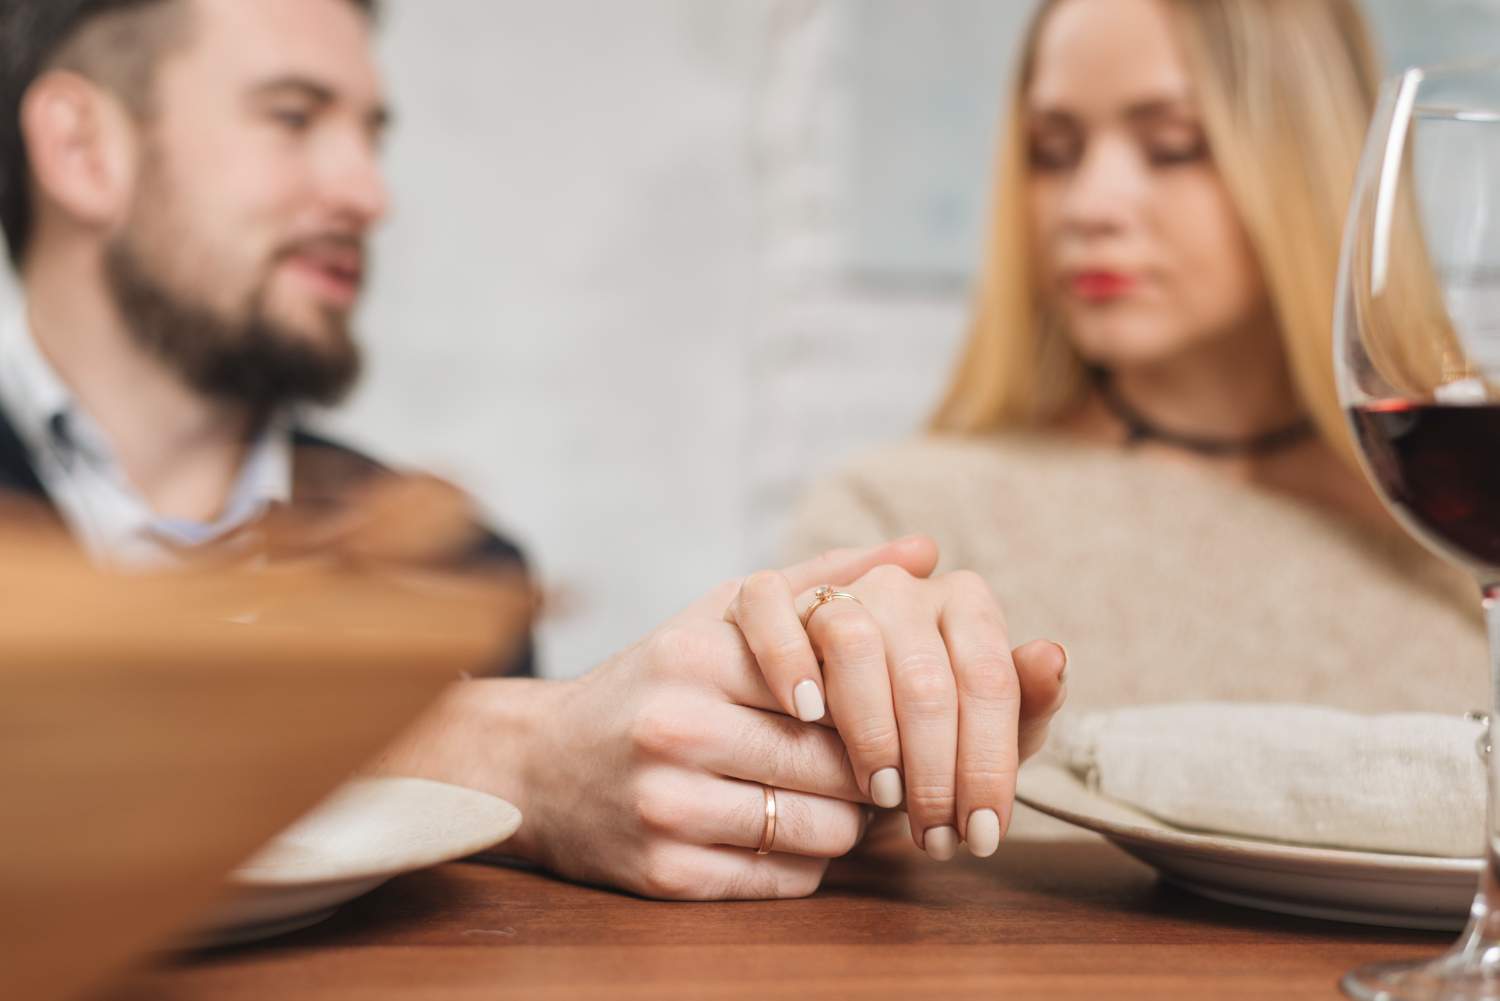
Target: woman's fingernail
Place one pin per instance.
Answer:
(1062, 672)
(984, 833)
(809, 701)
(885, 788)
(941, 843)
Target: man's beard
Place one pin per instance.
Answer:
(253, 360)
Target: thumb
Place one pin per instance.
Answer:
(916, 554)
(1041, 667)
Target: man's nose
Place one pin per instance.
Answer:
(357, 188)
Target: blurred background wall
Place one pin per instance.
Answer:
(655, 265)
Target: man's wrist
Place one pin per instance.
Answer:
(482, 734)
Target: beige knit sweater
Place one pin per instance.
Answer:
(1167, 582)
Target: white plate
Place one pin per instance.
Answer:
(1402, 891)
(364, 834)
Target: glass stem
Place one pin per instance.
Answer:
(1481, 942)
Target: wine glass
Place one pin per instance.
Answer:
(1417, 354)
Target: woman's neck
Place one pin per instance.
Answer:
(1234, 390)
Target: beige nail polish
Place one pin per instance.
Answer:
(885, 788)
(941, 843)
(808, 701)
(984, 833)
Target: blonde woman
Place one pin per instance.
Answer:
(1141, 450)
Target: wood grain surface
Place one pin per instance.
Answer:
(1044, 920)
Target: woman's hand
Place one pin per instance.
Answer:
(918, 677)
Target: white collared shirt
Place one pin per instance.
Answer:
(76, 465)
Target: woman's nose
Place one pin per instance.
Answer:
(1104, 191)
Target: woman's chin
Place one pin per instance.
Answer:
(1126, 348)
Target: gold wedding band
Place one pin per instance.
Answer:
(768, 834)
(822, 596)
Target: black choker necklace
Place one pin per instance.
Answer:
(1139, 430)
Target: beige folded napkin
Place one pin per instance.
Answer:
(1411, 783)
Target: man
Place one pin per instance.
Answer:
(187, 188)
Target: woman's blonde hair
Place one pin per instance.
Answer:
(1286, 89)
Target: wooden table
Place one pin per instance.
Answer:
(1045, 920)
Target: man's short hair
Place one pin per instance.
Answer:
(116, 43)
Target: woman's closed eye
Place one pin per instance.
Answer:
(1060, 151)
(1176, 148)
(1055, 151)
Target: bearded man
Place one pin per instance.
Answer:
(187, 188)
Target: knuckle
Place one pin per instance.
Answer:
(794, 823)
(803, 882)
(990, 617)
(967, 581)
(754, 883)
(658, 808)
(845, 836)
(665, 875)
(819, 828)
(724, 592)
(930, 798)
(925, 684)
(663, 730)
(873, 739)
(787, 653)
(763, 585)
(990, 677)
(888, 575)
(851, 633)
(793, 753)
(990, 778)
(977, 600)
(764, 744)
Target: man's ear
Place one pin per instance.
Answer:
(81, 143)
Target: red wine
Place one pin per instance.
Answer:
(1440, 467)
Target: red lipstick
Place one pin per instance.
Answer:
(1101, 286)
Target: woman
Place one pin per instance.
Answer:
(1142, 450)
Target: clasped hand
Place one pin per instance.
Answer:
(647, 773)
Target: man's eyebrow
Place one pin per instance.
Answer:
(378, 118)
(300, 86)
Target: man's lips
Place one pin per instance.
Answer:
(335, 271)
(1101, 285)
